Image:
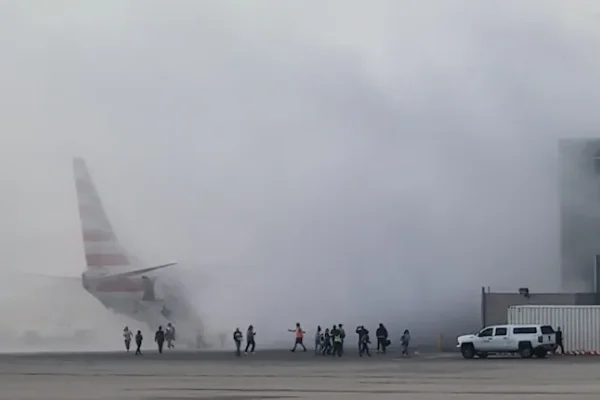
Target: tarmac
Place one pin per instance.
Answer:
(178, 375)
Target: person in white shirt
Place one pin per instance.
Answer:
(127, 335)
(318, 340)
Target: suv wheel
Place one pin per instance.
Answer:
(525, 350)
(540, 352)
(467, 350)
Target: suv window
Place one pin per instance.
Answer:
(486, 332)
(547, 330)
(500, 332)
(525, 330)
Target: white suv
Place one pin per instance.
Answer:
(527, 340)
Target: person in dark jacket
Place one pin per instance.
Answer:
(342, 335)
(405, 341)
(237, 339)
(559, 340)
(159, 338)
(326, 342)
(250, 343)
(336, 338)
(333, 332)
(382, 335)
(364, 342)
(359, 332)
(138, 341)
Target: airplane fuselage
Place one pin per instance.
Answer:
(128, 297)
(120, 293)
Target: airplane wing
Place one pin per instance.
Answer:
(120, 275)
(56, 277)
(138, 271)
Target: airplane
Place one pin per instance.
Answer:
(113, 276)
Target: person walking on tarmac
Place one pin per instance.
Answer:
(405, 341)
(170, 336)
(138, 342)
(250, 343)
(358, 331)
(336, 334)
(326, 342)
(127, 335)
(342, 336)
(159, 338)
(237, 339)
(559, 341)
(318, 340)
(299, 337)
(382, 335)
(365, 341)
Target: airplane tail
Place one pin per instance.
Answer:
(102, 249)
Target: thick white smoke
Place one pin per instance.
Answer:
(318, 162)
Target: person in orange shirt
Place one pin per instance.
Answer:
(299, 337)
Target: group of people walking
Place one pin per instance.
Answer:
(328, 341)
(238, 337)
(160, 336)
(331, 341)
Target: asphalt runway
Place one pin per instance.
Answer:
(284, 375)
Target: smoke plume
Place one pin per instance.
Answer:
(312, 161)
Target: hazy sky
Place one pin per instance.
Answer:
(373, 160)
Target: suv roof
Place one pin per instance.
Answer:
(516, 326)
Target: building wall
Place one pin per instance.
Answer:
(578, 323)
(579, 192)
(494, 306)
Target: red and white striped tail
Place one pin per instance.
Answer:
(102, 249)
